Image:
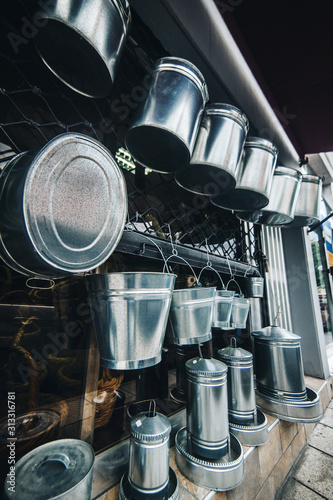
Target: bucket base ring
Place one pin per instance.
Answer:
(127, 492)
(251, 434)
(136, 364)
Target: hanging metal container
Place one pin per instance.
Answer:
(191, 315)
(164, 129)
(307, 210)
(82, 42)
(130, 313)
(62, 208)
(254, 286)
(207, 407)
(222, 309)
(283, 199)
(218, 148)
(59, 470)
(254, 179)
(239, 312)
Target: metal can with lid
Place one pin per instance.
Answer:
(241, 393)
(207, 407)
(61, 469)
(278, 363)
(149, 452)
(164, 129)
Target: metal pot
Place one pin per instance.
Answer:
(307, 210)
(59, 470)
(130, 313)
(81, 42)
(191, 314)
(283, 199)
(278, 363)
(163, 132)
(218, 148)
(254, 178)
(207, 407)
(62, 208)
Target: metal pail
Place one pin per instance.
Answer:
(164, 129)
(191, 315)
(283, 199)
(130, 313)
(239, 312)
(254, 286)
(254, 177)
(81, 42)
(218, 149)
(222, 308)
(307, 210)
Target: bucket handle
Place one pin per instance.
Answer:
(258, 275)
(239, 289)
(211, 268)
(29, 283)
(175, 254)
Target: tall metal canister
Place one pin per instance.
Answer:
(149, 473)
(241, 392)
(207, 407)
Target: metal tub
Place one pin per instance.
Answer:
(62, 208)
(130, 313)
(218, 148)
(283, 199)
(191, 315)
(254, 177)
(163, 132)
(81, 42)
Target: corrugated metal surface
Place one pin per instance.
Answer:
(276, 278)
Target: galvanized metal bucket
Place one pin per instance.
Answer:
(254, 286)
(81, 42)
(163, 132)
(218, 149)
(130, 312)
(307, 210)
(283, 199)
(254, 179)
(223, 308)
(239, 312)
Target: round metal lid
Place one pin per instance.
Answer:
(75, 203)
(231, 353)
(185, 67)
(228, 111)
(205, 367)
(275, 333)
(52, 469)
(258, 142)
(150, 428)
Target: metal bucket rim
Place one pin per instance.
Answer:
(260, 143)
(228, 111)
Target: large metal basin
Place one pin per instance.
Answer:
(130, 313)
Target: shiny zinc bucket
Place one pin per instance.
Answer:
(222, 308)
(191, 315)
(239, 312)
(307, 210)
(163, 132)
(130, 312)
(254, 177)
(218, 149)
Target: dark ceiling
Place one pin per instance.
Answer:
(289, 47)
